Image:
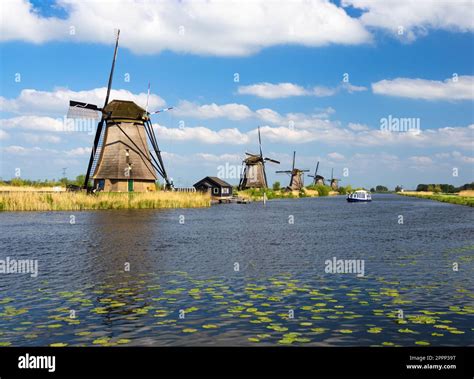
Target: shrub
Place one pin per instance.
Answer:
(322, 190)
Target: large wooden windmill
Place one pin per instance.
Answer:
(254, 175)
(334, 181)
(296, 176)
(121, 160)
(317, 179)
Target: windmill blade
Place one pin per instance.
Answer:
(109, 85)
(101, 122)
(147, 97)
(93, 152)
(162, 110)
(81, 110)
(271, 160)
(252, 155)
(260, 142)
(284, 172)
(316, 171)
(294, 156)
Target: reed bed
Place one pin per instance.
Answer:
(32, 189)
(65, 201)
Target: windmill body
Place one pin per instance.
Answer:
(317, 179)
(124, 163)
(254, 175)
(121, 160)
(334, 181)
(296, 176)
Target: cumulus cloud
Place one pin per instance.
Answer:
(208, 111)
(414, 16)
(456, 88)
(213, 27)
(284, 90)
(33, 138)
(357, 127)
(37, 123)
(336, 156)
(201, 134)
(333, 134)
(32, 101)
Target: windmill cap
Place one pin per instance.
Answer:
(125, 109)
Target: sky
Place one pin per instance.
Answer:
(380, 91)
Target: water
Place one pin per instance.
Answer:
(242, 274)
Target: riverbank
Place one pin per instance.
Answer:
(462, 198)
(76, 201)
(257, 194)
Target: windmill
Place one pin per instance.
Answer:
(120, 159)
(334, 181)
(296, 176)
(317, 179)
(254, 175)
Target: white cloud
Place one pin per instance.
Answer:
(336, 156)
(328, 132)
(283, 90)
(415, 16)
(36, 150)
(201, 134)
(214, 27)
(37, 138)
(32, 101)
(421, 160)
(272, 91)
(3, 135)
(78, 152)
(213, 158)
(357, 127)
(207, 111)
(449, 89)
(37, 123)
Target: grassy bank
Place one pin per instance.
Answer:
(35, 201)
(257, 194)
(463, 198)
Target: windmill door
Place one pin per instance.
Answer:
(130, 185)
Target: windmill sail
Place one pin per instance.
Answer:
(296, 176)
(254, 175)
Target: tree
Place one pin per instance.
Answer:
(372, 189)
(437, 188)
(398, 188)
(276, 186)
(380, 188)
(422, 187)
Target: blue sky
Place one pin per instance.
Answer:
(290, 83)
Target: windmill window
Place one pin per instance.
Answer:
(225, 191)
(215, 190)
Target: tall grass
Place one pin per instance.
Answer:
(445, 198)
(35, 201)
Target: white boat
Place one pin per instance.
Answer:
(360, 195)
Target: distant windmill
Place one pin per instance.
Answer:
(121, 159)
(254, 175)
(317, 179)
(296, 176)
(334, 181)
